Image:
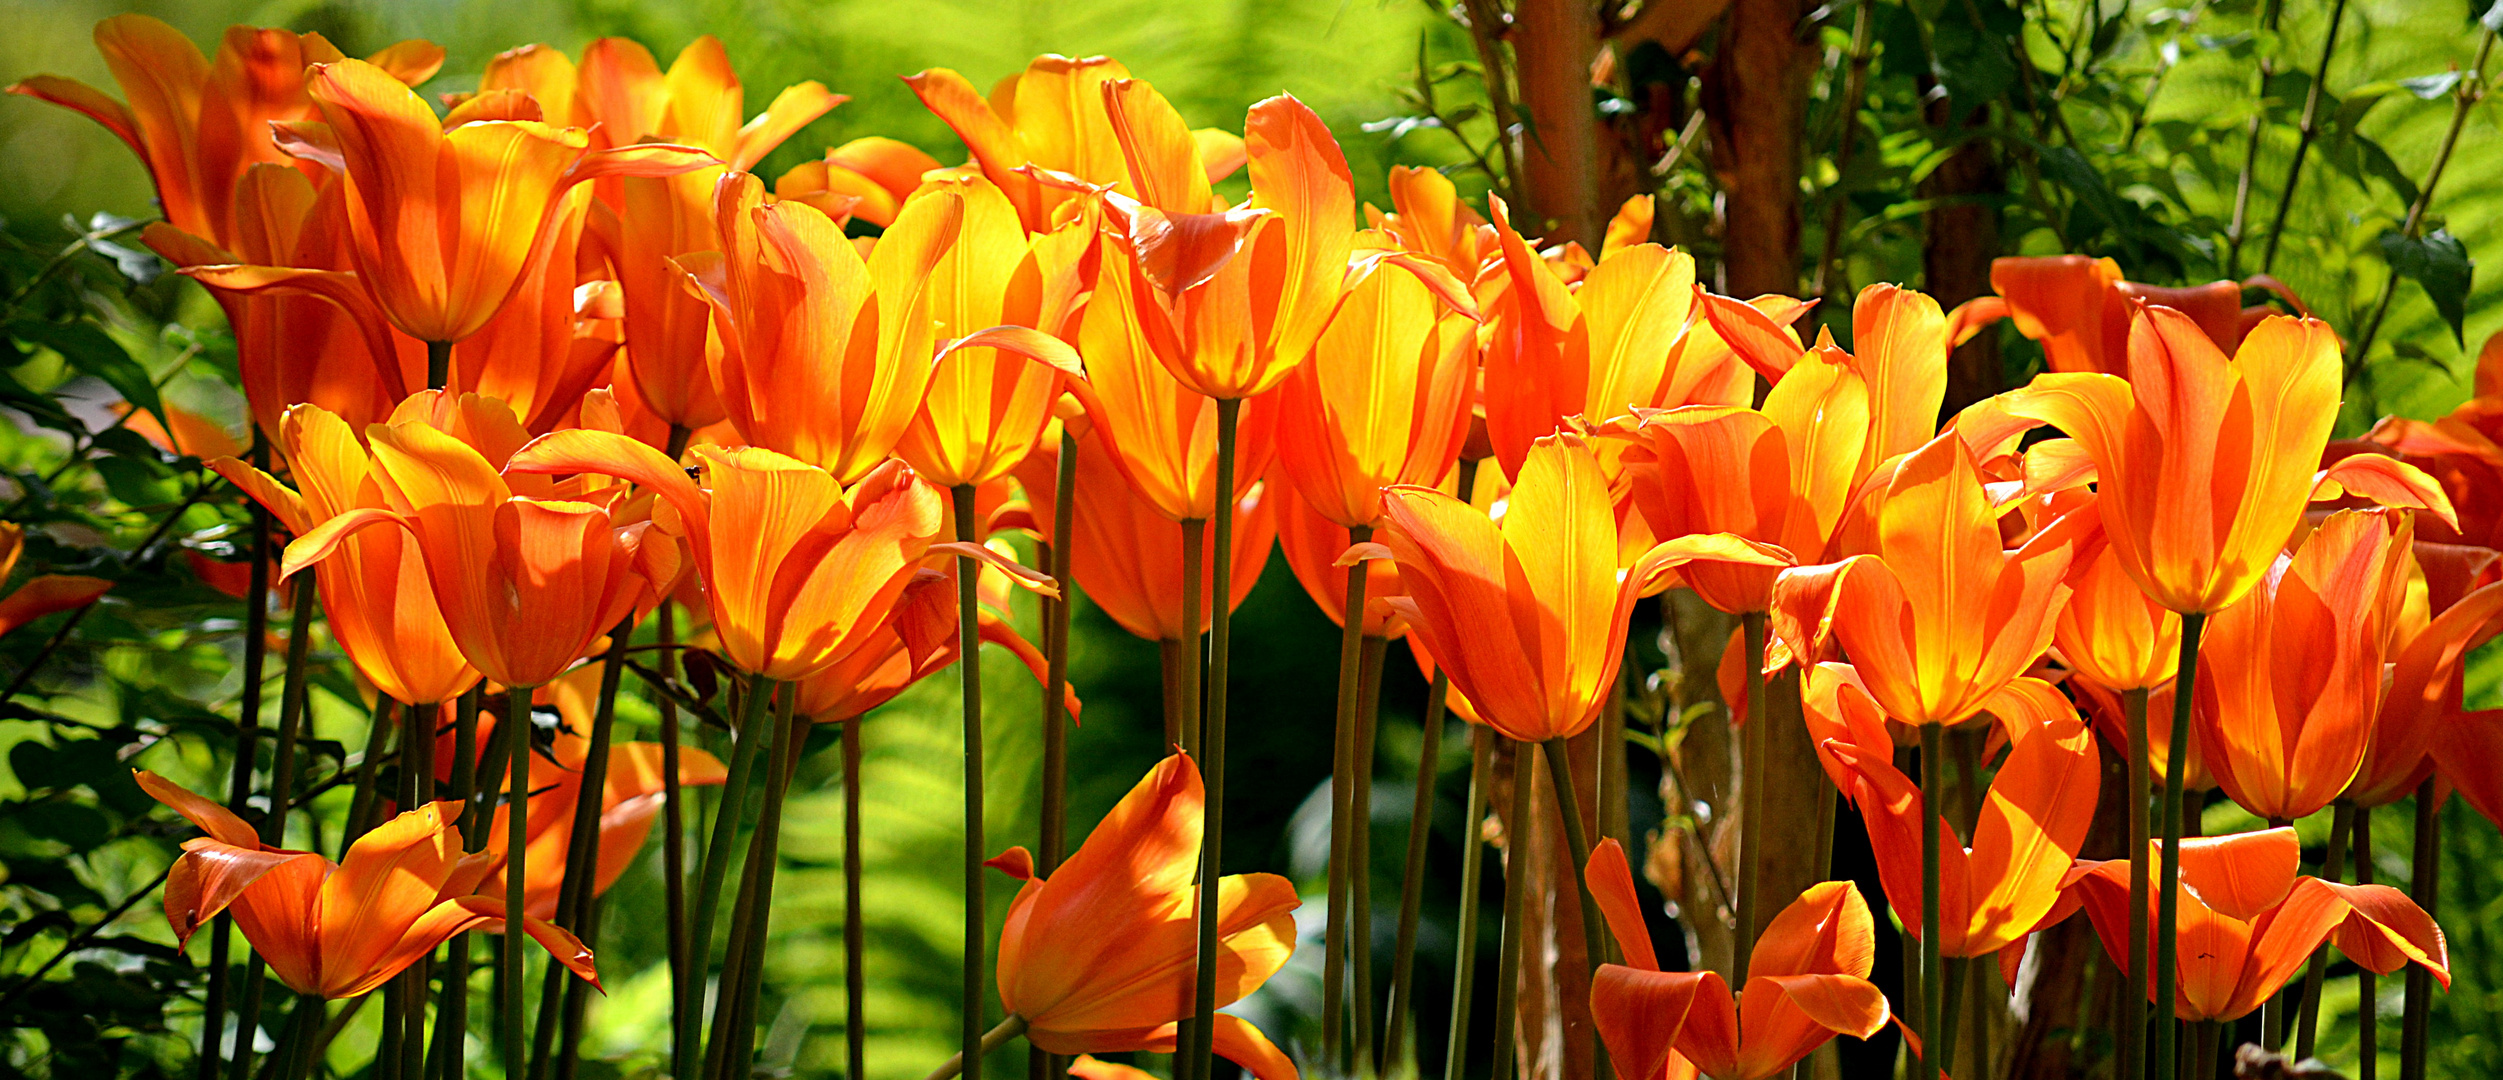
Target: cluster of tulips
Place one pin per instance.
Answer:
(533, 372)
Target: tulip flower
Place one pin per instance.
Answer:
(526, 582)
(2248, 922)
(1996, 889)
(340, 929)
(2080, 309)
(1779, 477)
(1807, 981)
(2109, 715)
(985, 408)
(1624, 340)
(2165, 441)
(447, 224)
(2109, 633)
(698, 103)
(824, 356)
(553, 339)
(1231, 301)
(1128, 557)
(1430, 219)
(2437, 627)
(1050, 119)
(1528, 614)
(1098, 957)
(2294, 671)
(1939, 618)
(374, 588)
(1384, 400)
(200, 124)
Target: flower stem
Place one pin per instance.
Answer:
(2305, 132)
(2333, 868)
(438, 364)
(1412, 870)
(2367, 996)
(1342, 789)
(690, 1045)
(1472, 872)
(582, 846)
(239, 783)
(1170, 653)
(750, 932)
(855, 937)
(999, 1034)
(1751, 797)
(1933, 983)
(1360, 847)
(2132, 1040)
(674, 831)
(2168, 875)
(1052, 843)
(2424, 887)
(969, 665)
(1212, 739)
(447, 1054)
(516, 873)
(1577, 844)
(1516, 890)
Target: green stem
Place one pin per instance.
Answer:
(2465, 97)
(1360, 848)
(1212, 739)
(2203, 1048)
(1751, 797)
(582, 846)
(2308, 130)
(1188, 699)
(991, 1040)
(1052, 844)
(447, 1055)
(2333, 868)
(2133, 1033)
(361, 804)
(1342, 791)
(1577, 844)
(2368, 990)
(2168, 875)
(438, 364)
(2424, 886)
(516, 872)
(239, 783)
(969, 665)
(1412, 871)
(1472, 871)
(1933, 982)
(855, 934)
(751, 932)
(1170, 655)
(674, 833)
(752, 722)
(1516, 890)
(1952, 1016)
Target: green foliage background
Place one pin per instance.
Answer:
(2124, 125)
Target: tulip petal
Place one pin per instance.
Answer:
(213, 819)
(211, 875)
(1611, 884)
(2385, 480)
(1641, 1013)
(2387, 931)
(47, 594)
(2242, 875)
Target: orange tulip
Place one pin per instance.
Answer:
(1621, 341)
(447, 224)
(986, 408)
(1050, 118)
(1781, 477)
(799, 570)
(1161, 435)
(1231, 301)
(374, 588)
(2109, 633)
(1807, 981)
(2248, 922)
(199, 125)
(2293, 672)
(824, 356)
(2109, 714)
(1529, 614)
(1099, 957)
(1128, 556)
(1384, 400)
(554, 339)
(2204, 463)
(1995, 890)
(1430, 219)
(2080, 309)
(2437, 627)
(1312, 545)
(631, 795)
(43, 594)
(917, 640)
(526, 582)
(697, 102)
(340, 929)
(1938, 619)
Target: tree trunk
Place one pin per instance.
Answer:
(1755, 97)
(1959, 238)
(1553, 43)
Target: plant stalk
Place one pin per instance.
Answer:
(969, 666)
(557, 995)
(2367, 997)
(1212, 770)
(2308, 130)
(1360, 847)
(1516, 889)
(2168, 875)
(1412, 871)
(999, 1035)
(2464, 98)
(1342, 789)
(2333, 868)
(1472, 871)
(438, 364)
(2424, 887)
(1751, 796)
(239, 783)
(1577, 844)
(516, 873)
(690, 1045)
(1933, 983)
(855, 935)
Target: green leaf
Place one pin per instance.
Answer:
(2438, 262)
(89, 350)
(1972, 61)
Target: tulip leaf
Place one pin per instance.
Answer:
(2438, 262)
